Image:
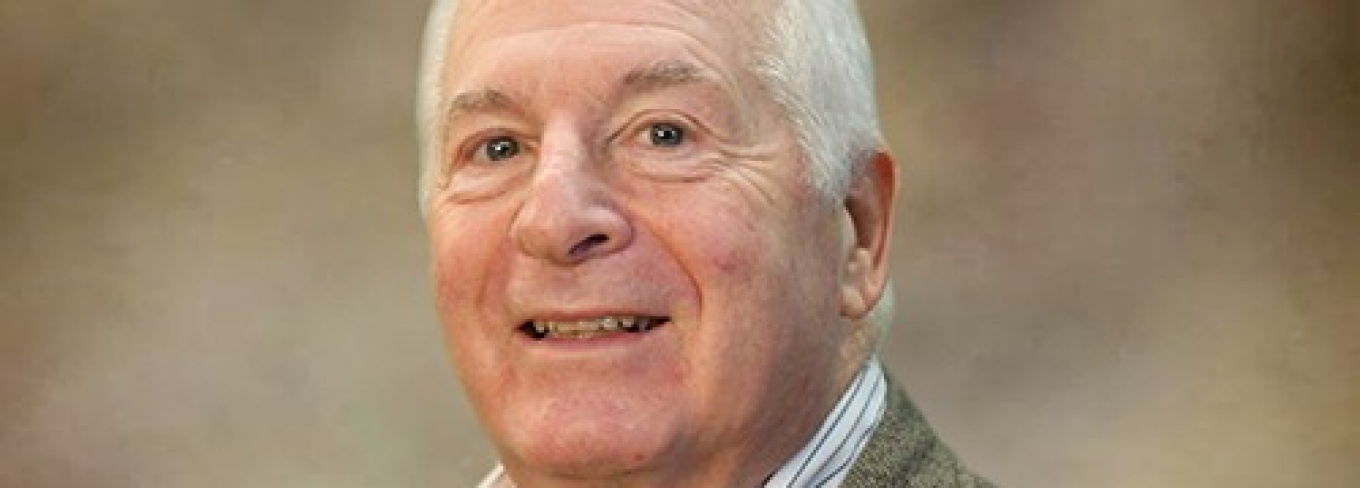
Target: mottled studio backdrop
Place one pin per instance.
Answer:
(1128, 253)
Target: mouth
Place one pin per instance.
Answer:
(591, 328)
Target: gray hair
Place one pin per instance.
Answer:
(815, 60)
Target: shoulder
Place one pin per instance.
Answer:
(904, 451)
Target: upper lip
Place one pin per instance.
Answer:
(581, 314)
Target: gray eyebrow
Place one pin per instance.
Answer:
(484, 100)
(663, 74)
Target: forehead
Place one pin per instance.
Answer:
(718, 32)
(717, 21)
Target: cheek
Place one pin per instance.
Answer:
(734, 254)
(741, 269)
(464, 246)
(454, 296)
(718, 243)
(771, 279)
(464, 259)
(742, 244)
(452, 276)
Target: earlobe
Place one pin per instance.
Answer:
(869, 205)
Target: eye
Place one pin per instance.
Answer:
(666, 134)
(499, 148)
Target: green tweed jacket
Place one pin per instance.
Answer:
(904, 452)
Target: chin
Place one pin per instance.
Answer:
(592, 448)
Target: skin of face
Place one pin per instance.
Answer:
(621, 159)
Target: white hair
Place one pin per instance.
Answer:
(817, 63)
(815, 60)
(430, 100)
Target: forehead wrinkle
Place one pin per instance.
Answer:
(655, 76)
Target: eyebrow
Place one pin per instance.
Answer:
(484, 100)
(663, 74)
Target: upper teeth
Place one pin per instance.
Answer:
(592, 327)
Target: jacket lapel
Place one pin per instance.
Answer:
(904, 452)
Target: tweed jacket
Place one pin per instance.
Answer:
(904, 453)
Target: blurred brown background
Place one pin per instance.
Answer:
(1127, 256)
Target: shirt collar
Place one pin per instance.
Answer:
(826, 459)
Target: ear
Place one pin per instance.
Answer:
(869, 210)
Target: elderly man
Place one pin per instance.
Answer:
(659, 229)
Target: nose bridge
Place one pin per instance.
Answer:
(568, 214)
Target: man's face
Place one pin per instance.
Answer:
(633, 274)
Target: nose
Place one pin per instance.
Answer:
(568, 215)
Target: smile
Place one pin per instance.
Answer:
(590, 328)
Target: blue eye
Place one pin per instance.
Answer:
(500, 148)
(666, 134)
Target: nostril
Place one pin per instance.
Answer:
(586, 244)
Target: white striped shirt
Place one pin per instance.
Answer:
(826, 459)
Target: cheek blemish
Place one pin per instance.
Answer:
(730, 262)
(732, 254)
